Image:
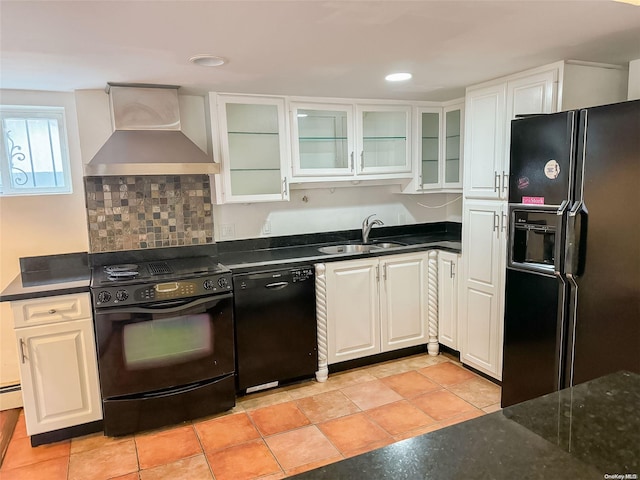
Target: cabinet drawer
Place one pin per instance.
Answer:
(40, 311)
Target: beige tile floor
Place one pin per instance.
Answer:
(276, 433)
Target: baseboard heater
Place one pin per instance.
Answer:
(10, 396)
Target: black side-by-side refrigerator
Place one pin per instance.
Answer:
(572, 299)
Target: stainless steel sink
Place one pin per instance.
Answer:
(388, 245)
(359, 248)
(347, 248)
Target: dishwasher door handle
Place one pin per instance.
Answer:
(276, 285)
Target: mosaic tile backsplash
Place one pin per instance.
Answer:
(136, 212)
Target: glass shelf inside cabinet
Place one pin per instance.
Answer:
(254, 133)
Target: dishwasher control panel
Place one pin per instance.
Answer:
(302, 274)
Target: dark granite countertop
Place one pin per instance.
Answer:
(590, 431)
(48, 275)
(246, 255)
(69, 273)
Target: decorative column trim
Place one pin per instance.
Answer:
(433, 347)
(321, 318)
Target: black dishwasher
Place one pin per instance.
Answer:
(276, 335)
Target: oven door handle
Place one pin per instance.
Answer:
(166, 307)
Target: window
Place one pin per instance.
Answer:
(34, 156)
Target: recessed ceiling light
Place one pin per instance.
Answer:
(207, 60)
(397, 77)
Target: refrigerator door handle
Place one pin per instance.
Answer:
(575, 248)
(558, 258)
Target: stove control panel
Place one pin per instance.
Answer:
(158, 292)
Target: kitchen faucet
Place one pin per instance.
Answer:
(367, 226)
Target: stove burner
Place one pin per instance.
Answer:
(125, 271)
(125, 267)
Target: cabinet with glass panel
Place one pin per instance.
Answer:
(253, 145)
(383, 139)
(322, 139)
(329, 142)
(438, 149)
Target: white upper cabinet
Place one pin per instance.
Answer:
(484, 142)
(438, 135)
(383, 142)
(322, 139)
(252, 136)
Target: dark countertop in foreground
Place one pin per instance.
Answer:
(582, 432)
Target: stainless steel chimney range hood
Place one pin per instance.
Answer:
(147, 139)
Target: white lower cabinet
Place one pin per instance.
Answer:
(58, 366)
(373, 305)
(484, 235)
(448, 299)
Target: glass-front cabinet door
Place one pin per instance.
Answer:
(254, 148)
(429, 147)
(383, 134)
(452, 146)
(322, 139)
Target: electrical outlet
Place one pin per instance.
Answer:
(227, 231)
(266, 227)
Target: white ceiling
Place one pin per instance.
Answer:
(305, 47)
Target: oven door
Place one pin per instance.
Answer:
(163, 345)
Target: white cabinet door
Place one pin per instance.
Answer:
(481, 322)
(383, 135)
(484, 141)
(525, 96)
(448, 299)
(403, 300)
(59, 375)
(353, 318)
(322, 140)
(252, 137)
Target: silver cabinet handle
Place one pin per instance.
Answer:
(505, 181)
(496, 222)
(23, 357)
(352, 161)
(452, 270)
(377, 273)
(496, 182)
(284, 187)
(362, 160)
(52, 311)
(384, 272)
(504, 221)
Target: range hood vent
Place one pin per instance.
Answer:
(147, 139)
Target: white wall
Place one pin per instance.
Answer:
(634, 80)
(323, 209)
(34, 225)
(335, 209)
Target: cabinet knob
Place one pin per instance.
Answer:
(52, 311)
